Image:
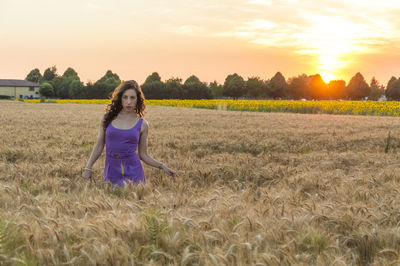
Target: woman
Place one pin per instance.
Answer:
(122, 130)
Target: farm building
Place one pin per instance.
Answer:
(18, 89)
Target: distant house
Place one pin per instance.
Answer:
(18, 89)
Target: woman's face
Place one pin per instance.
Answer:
(128, 100)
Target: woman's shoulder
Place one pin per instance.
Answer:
(145, 125)
(144, 122)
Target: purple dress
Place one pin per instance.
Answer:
(122, 164)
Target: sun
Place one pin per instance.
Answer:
(328, 64)
(332, 41)
(327, 76)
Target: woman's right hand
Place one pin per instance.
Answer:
(87, 174)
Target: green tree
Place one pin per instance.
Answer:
(357, 88)
(71, 73)
(56, 82)
(50, 73)
(375, 90)
(88, 91)
(393, 89)
(103, 88)
(277, 86)
(76, 89)
(255, 87)
(298, 87)
(154, 88)
(217, 90)
(153, 77)
(34, 76)
(234, 86)
(193, 88)
(174, 89)
(64, 87)
(46, 89)
(68, 85)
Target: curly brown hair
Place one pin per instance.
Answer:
(113, 109)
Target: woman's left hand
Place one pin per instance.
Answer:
(170, 172)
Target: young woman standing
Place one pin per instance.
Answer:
(122, 131)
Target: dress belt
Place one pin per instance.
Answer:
(120, 155)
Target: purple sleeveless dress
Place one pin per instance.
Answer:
(122, 164)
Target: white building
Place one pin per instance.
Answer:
(19, 89)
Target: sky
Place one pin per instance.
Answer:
(207, 38)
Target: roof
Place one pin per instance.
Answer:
(17, 83)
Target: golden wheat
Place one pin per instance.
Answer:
(254, 189)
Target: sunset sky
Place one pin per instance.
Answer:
(211, 39)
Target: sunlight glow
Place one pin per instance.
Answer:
(326, 76)
(184, 38)
(332, 41)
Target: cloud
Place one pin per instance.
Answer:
(331, 32)
(258, 24)
(313, 25)
(191, 30)
(260, 2)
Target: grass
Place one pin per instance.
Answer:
(254, 189)
(13, 250)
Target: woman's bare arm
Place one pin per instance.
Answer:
(144, 156)
(97, 149)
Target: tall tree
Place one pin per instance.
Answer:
(50, 73)
(357, 88)
(56, 82)
(375, 90)
(34, 76)
(68, 85)
(298, 87)
(255, 87)
(71, 73)
(234, 86)
(195, 89)
(103, 88)
(153, 77)
(88, 91)
(76, 89)
(153, 87)
(318, 87)
(217, 90)
(277, 86)
(46, 89)
(337, 89)
(174, 89)
(393, 89)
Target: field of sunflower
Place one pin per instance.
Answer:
(391, 108)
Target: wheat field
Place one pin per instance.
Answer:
(254, 189)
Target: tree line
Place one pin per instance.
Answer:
(69, 86)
